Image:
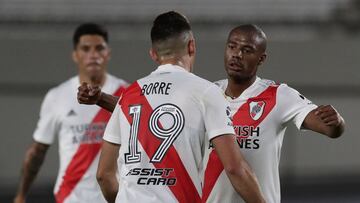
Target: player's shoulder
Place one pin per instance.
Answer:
(221, 83)
(199, 80)
(267, 82)
(63, 87)
(57, 93)
(287, 92)
(200, 86)
(284, 87)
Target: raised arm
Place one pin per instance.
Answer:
(237, 169)
(106, 172)
(93, 95)
(325, 120)
(34, 158)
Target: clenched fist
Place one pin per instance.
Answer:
(329, 115)
(88, 94)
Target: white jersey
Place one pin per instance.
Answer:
(260, 117)
(163, 123)
(79, 129)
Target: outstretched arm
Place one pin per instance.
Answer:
(237, 169)
(106, 172)
(93, 95)
(34, 158)
(325, 120)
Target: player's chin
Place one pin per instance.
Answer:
(235, 74)
(238, 77)
(94, 71)
(93, 67)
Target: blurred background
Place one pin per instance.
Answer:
(314, 46)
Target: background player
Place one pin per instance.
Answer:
(261, 112)
(163, 123)
(79, 128)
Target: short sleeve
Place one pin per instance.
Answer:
(216, 113)
(48, 125)
(112, 131)
(294, 106)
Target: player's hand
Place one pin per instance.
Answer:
(329, 115)
(19, 199)
(88, 94)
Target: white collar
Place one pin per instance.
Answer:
(247, 92)
(169, 68)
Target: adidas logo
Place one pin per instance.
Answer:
(71, 113)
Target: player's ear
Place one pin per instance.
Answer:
(153, 55)
(191, 47)
(262, 58)
(74, 56)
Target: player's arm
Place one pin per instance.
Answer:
(237, 169)
(297, 108)
(34, 158)
(93, 95)
(106, 172)
(325, 120)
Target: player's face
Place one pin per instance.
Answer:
(243, 55)
(92, 55)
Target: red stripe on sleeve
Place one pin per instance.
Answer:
(241, 118)
(184, 190)
(83, 158)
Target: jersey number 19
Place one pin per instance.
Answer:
(168, 135)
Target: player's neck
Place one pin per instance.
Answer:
(235, 88)
(186, 64)
(95, 81)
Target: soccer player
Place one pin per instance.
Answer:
(261, 110)
(162, 125)
(78, 128)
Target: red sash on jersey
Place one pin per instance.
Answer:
(241, 118)
(184, 190)
(83, 158)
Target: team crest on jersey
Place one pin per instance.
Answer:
(256, 109)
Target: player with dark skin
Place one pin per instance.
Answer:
(91, 55)
(245, 51)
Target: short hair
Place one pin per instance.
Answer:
(170, 33)
(167, 25)
(253, 29)
(89, 29)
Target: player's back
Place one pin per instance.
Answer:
(162, 126)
